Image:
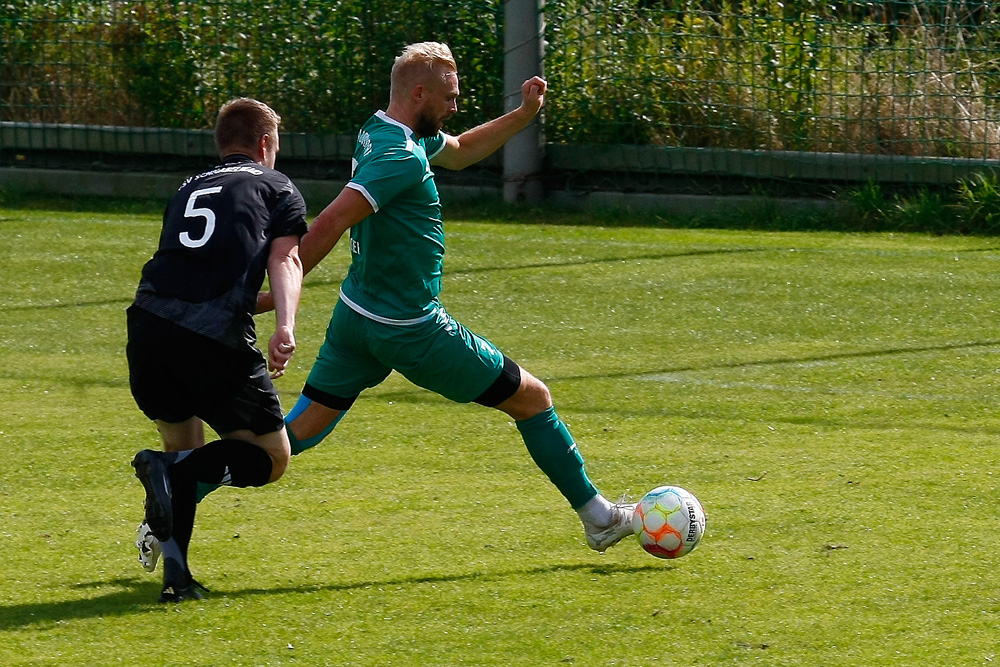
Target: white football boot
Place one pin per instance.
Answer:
(601, 538)
(148, 546)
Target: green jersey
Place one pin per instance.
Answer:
(397, 253)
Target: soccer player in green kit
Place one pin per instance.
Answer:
(389, 316)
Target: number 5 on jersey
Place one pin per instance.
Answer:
(208, 214)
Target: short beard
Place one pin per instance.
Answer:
(426, 127)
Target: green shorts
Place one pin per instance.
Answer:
(440, 355)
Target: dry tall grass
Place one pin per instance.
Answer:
(778, 76)
(748, 74)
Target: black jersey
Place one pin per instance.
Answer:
(214, 245)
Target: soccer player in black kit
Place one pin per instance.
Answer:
(191, 339)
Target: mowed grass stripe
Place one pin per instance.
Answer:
(828, 397)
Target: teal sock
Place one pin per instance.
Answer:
(554, 452)
(299, 446)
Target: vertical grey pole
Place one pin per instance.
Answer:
(522, 155)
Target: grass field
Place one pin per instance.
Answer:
(830, 398)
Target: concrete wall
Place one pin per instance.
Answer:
(144, 185)
(318, 193)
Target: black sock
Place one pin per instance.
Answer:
(229, 462)
(183, 499)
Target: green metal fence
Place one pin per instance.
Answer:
(126, 78)
(171, 64)
(679, 94)
(789, 89)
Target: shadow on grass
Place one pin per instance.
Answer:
(126, 300)
(418, 395)
(130, 595)
(779, 361)
(575, 262)
(604, 570)
(139, 595)
(123, 301)
(608, 260)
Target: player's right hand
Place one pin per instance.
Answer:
(280, 349)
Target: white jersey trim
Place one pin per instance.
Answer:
(367, 195)
(384, 320)
(440, 148)
(381, 115)
(409, 134)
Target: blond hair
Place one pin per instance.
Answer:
(242, 122)
(415, 62)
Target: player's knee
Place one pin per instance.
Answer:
(530, 399)
(539, 396)
(279, 464)
(278, 448)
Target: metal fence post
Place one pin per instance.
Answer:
(522, 155)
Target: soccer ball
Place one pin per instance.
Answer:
(669, 522)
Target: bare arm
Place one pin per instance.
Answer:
(473, 145)
(348, 209)
(284, 270)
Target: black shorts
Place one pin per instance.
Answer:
(176, 374)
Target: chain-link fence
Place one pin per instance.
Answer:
(171, 64)
(82, 76)
(680, 94)
(777, 89)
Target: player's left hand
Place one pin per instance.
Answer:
(265, 303)
(533, 93)
(279, 351)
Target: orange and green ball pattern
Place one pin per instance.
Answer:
(669, 522)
